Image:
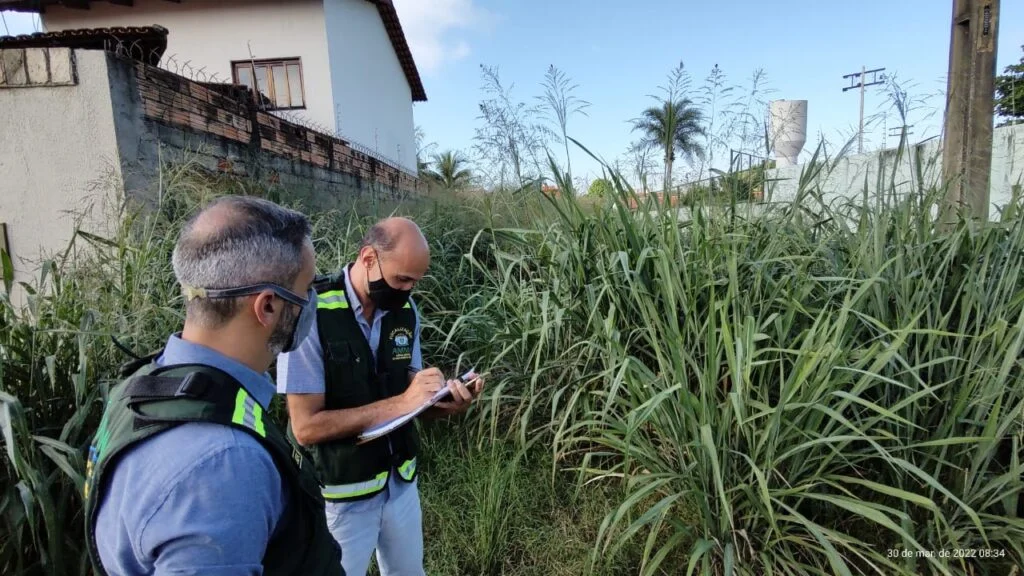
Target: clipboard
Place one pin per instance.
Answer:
(386, 428)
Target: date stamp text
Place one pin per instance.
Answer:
(947, 553)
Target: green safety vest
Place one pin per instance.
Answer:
(154, 399)
(352, 378)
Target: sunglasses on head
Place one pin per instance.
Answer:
(192, 292)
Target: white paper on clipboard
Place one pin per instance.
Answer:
(385, 428)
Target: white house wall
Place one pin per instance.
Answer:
(211, 34)
(372, 94)
(59, 160)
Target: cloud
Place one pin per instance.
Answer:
(461, 50)
(433, 27)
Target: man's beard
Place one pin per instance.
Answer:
(282, 333)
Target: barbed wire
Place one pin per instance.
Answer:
(136, 49)
(300, 119)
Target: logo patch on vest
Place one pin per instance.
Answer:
(401, 344)
(90, 468)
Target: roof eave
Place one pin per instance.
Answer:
(389, 15)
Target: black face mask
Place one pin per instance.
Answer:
(384, 296)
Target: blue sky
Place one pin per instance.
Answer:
(620, 52)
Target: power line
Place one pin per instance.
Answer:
(875, 79)
(7, 30)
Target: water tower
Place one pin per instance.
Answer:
(788, 129)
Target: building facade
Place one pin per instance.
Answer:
(340, 66)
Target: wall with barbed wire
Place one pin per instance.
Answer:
(186, 69)
(171, 108)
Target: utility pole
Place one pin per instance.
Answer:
(901, 131)
(967, 138)
(875, 79)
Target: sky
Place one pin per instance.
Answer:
(619, 53)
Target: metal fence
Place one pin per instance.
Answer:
(746, 171)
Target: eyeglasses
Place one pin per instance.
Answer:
(193, 292)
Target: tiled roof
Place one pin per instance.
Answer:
(388, 15)
(145, 43)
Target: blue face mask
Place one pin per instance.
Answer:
(303, 323)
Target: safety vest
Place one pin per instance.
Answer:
(352, 379)
(154, 399)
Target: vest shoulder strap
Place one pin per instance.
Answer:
(330, 292)
(327, 281)
(191, 393)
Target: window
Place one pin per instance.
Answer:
(279, 81)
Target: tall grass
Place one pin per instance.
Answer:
(813, 391)
(800, 392)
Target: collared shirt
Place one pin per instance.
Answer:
(302, 371)
(195, 499)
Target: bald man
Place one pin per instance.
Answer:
(187, 474)
(362, 366)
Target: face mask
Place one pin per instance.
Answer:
(303, 323)
(384, 296)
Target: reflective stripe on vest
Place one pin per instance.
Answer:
(407, 470)
(336, 299)
(357, 489)
(248, 413)
(332, 300)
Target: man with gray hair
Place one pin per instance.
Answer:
(185, 474)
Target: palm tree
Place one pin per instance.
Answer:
(674, 126)
(448, 170)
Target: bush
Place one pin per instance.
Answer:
(601, 188)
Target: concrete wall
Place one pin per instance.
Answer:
(58, 154)
(165, 117)
(921, 168)
(211, 34)
(372, 94)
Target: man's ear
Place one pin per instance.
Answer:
(367, 257)
(265, 307)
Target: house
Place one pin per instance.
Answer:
(92, 116)
(340, 66)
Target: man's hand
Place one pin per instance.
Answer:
(424, 385)
(462, 395)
